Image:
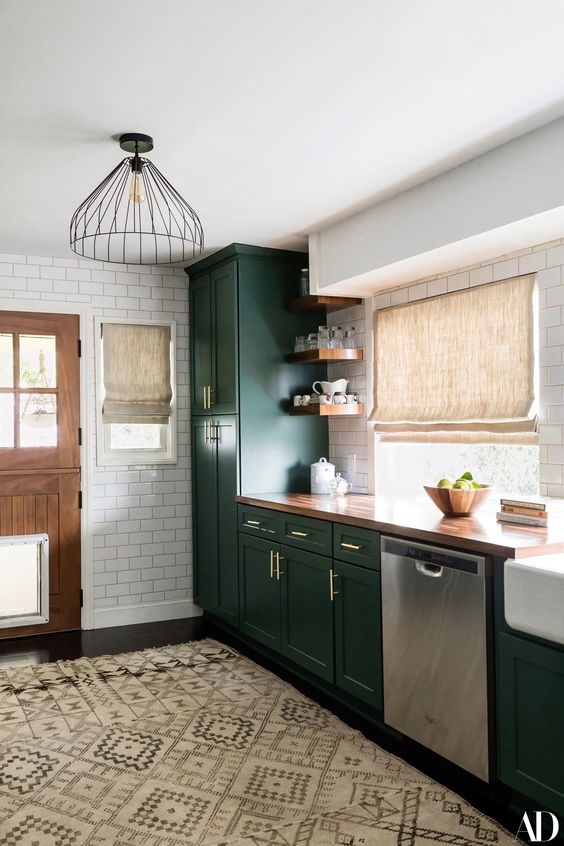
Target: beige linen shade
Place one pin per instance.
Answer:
(136, 368)
(462, 364)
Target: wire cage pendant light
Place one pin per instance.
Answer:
(135, 216)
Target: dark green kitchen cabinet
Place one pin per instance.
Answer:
(240, 333)
(307, 610)
(358, 632)
(214, 472)
(530, 720)
(259, 590)
(213, 310)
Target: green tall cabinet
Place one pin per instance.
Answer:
(243, 439)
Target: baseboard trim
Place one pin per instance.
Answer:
(148, 612)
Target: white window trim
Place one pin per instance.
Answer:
(107, 457)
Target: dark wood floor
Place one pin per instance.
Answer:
(66, 646)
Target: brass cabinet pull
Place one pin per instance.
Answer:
(332, 592)
(279, 572)
(210, 392)
(205, 398)
(300, 534)
(350, 545)
(253, 523)
(214, 428)
(207, 432)
(271, 563)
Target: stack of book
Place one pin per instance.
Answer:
(528, 513)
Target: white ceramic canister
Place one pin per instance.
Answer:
(322, 474)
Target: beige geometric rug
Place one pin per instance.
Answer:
(195, 744)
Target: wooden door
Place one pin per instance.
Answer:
(224, 349)
(358, 632)
(40, 451)
(259, 591)
(201, 342)
(307, 611)
(225, 439)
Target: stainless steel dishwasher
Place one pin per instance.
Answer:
(435, 615)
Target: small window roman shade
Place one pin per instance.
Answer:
(136, 369)
(462, 365)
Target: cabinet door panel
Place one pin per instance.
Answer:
(307, 611)
(358, 633)
(200, 341)
(530, 703)
(259, 591)
(204, 516)
(224, 431)
(225, 355)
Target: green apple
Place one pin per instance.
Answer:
(467, 476)
(444, 483)
(462, 485)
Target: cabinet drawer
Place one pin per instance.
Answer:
(307, 533)
(357, 546)
(260, 521)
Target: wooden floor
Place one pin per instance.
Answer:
(67, 646)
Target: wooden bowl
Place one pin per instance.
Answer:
(458, 503)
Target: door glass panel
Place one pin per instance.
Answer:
(6, 361)
(38, 361)
(7, 420)
(38, 420)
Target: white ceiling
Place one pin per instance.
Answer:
(270, 118)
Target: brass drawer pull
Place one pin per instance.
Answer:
(350, 545)
(253, 523)
(332, 592)
(301, 534)
(279, 572)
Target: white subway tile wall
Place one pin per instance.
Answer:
(142, 532)
(547, 260)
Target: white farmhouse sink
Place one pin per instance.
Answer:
(534, 596)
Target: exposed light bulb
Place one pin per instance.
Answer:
(137, 187)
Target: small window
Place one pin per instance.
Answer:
(136, 392)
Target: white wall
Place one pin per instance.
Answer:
(494, 203)
(139, 525)
(547, 260)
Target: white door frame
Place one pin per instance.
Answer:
(86, 323)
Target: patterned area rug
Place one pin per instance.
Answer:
(195, 744)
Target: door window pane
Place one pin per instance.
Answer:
(7, 420)
(6, 361)
(38, 414)
(38, 361)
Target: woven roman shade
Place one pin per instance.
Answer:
(459, 367)
(136, 370)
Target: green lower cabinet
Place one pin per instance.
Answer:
(358, 633)
(204, 516)
(307, 611)
(259, 591)
(530, 720)
(224, 433)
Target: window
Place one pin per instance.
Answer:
(455, 389)
(136, 395)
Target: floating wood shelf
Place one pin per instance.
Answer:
(309, 356)
(313, 302)
(317, 410)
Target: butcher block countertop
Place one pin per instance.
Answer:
(421, 521)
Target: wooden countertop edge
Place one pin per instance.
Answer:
(458, 541)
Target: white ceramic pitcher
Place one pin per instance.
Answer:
(331, 387)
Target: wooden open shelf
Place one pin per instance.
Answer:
(311, 356)
(315, 302)
(317, 410)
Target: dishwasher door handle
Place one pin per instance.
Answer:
(435, 571)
